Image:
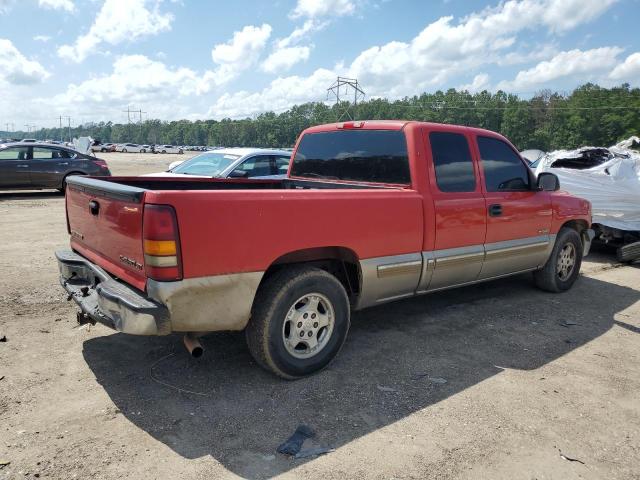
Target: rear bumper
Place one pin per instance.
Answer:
(204, 304)
(109, 302)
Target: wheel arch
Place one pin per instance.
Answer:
(342, 262)
(67, 175)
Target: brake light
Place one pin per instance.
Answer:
(161, 243)
(101, 163)
(350, 125)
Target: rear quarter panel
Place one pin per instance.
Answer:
(236, 231)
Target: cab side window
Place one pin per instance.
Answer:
(282, 165)
(452, 162)
(504, 171)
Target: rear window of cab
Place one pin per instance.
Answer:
(376, 156)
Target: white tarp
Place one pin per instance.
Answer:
(613, 187)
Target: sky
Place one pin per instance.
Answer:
(91, 60)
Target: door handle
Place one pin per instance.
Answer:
(495, 210)
(22, 166)
(63, 163)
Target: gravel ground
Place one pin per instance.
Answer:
(496, 381)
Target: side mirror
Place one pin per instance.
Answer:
(548, 182)
(239, 174)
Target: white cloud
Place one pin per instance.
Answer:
(42, 38)
(442, 50)
(587, 64)
(323, 8)
(17, 69)
(135, 79)
(239, 53)
(66, 5)
(299, 33)
(278, 96)
(284, 58)
(480, 82)
(629, 70)
(119, 21)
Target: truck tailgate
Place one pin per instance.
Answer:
(105, 223)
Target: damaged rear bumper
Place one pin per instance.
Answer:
(109, 302)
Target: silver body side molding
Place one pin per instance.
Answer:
(398, 276)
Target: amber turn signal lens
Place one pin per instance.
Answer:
(160, 247)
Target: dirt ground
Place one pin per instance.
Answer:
(495, 381)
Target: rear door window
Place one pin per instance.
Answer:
(504, 171)
(378, 156)
(452, 162)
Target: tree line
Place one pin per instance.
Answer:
(590, 115)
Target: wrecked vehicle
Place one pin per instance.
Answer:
(610, 179)
(370, 212)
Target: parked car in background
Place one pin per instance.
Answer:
(41, 165)
(103, 147)
(168, 149)
(131, 148)
(29, 140)
(232, 163)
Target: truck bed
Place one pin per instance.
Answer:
(231, 226)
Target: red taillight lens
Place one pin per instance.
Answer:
(161, 243)
(101, 163)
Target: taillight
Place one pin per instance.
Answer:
(101, 163)
(161, 243)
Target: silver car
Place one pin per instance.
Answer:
(233, 163)
(30, 166)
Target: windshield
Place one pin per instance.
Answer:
(210, 164)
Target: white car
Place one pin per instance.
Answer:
(169, 149)
(131, 148)
(232, 163)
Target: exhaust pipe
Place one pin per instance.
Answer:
(193, 345)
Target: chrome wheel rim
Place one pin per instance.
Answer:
(308, 325)
(566, 261)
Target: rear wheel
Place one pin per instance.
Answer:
(299, 322)
(143, 151)
(563, 266)
(63, 186)
(124, 150)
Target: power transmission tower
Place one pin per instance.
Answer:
(128, 111)
(68, 118)
(342, 89)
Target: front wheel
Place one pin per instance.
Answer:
(563, 266)
(299, 322)
(124, 150)
(143, 151)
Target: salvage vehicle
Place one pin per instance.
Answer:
(43, 165)
(610, 179)
(370, 212)
(168, 149)
(231, 163)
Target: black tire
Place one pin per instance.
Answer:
(549, 278)
(124, 150)
(63, 186)
(276, 298)
(180, 152)
(143, 151)
(103, 150)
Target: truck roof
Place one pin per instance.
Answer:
(393, 125)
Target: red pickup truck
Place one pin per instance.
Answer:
(370, 212)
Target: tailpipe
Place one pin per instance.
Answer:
(193, 345)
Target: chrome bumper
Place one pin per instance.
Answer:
(109, 302)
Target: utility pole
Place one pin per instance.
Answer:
(68, 118)
(346, 84)
(128, 111)
(140, 112)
